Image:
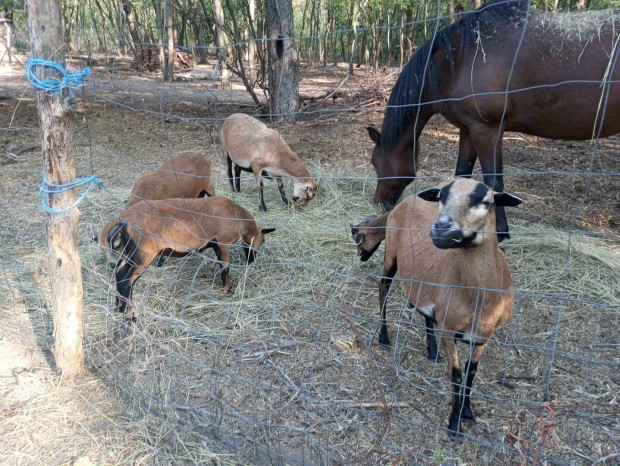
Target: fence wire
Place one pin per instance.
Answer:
(286, 368)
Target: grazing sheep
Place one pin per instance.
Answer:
(252, 147)
(185, 175)
(369, 234)
(178, 227)
(456, 276)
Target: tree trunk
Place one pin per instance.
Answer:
(56, 120)
(252, 44)
(221, 39)
(283, 63)
(159, 24)
(131, 24)
(169, 62)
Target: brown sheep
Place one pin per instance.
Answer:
(186, 175)
(179, 227)
(456, 276)
(253, 147)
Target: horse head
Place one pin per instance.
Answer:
(394, 171)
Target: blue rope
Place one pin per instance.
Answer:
(51, 188)
(69, 78)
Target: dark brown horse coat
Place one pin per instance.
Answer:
(504, 67)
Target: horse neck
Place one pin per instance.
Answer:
(409, 143)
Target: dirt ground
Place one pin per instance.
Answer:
(127, 123)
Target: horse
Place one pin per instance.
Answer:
(503, 67)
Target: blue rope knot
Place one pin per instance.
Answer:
(71, 79)
(51, 188)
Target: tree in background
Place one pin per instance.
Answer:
(282, 60)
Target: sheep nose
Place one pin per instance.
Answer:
(443, 222)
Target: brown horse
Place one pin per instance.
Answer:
(504, 67)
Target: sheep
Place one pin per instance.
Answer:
(369, 235)
(456, 276)
(252, 147)
(187, 175)
(179, 227)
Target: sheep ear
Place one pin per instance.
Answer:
(506, 200)
(309, 192)
(430, 195)
(264, 231)
(375, 135)
(116, 236)
(359, 238)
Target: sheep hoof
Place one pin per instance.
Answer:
(263, 208)
(468, 414)
(455, 435)
(384, 339)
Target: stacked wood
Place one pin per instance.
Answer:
(147, 58)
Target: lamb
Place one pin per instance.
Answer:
(179, 227)
(253, 147)
(457, 277)
(187, 175)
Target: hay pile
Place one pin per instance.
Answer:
(281, 369)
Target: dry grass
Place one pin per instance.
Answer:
(284, 368)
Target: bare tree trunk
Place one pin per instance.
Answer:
(221, 39)
(252, 44)
(159, 24)
(169, 62)
(283, 62)
(131, 24)
(56, 120)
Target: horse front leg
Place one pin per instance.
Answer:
(487, 141)
(467, 155)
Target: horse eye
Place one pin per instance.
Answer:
(487, 204)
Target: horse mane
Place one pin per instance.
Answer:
(407, 94)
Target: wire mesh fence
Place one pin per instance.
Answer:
(286, 367)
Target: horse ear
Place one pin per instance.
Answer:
(430, 195)
(374, 134)
(506, 200)
(264, 231)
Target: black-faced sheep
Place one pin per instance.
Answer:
(456, 275)
(180, 227)
(253, 147)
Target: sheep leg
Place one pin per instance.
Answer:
(223, 256)
(384, 288)
(470, 372)
(431, 342)
(229, 164)
(281, 189)
(238, 178)
(125, 279)
(456, 379)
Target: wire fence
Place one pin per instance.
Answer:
(286, 368)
